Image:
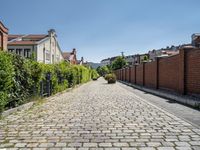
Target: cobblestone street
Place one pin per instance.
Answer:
(97, 116)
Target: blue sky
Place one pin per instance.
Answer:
(103, 28)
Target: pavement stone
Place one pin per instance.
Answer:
(97, 116)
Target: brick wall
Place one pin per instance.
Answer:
(120, 74)
(124, 74)
(193, 71)
(139, 74)
(169, 73)
(150, 74)
(127, 75)
(179, 73)
(3, 37)
(1, 40)
(133, 74)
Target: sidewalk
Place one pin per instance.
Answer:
(183, 111)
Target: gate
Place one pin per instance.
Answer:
(46, 86)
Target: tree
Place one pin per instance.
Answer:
(145, 58)
(103, 70)
(119, 63)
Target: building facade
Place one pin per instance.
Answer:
(164, 52)
(105, 62)
(196, 40)
(3, 37)
(43, 47)
(70, 57)
(108, 61)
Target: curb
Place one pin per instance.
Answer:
(187, 100)
(19, 108)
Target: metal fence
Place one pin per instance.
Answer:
(46, 86)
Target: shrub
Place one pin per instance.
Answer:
(6, 78)
(111, 78)
(119, 63)
(107, 76)
(62, 72)
(85, 74)
(20, 78)
(102, 71)
(94, 74)
(23, 83)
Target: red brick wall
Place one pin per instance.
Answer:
(127, 74)
(193, 71)
(124, 74)
(139, 74)
(120, 74)
(179, 73)
(117, 74)
(133, 74)
(3, 37)
(5, 41)
(169, 73)
(150, 74)
(130, 69)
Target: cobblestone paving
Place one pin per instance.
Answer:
(97, 116)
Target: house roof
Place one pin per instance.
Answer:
(35, 36)
(12, 36)
(22, 43)
(21, 39)
(66, 55)
(3, 28)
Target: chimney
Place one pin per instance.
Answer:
(196, 39)
(52, 32)
(82, 59)
(74, 51)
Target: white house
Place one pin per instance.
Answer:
(45, 47)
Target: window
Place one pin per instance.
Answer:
(43, 55)
(48, 56)
(52, 58)
(11, 50)
(57, 58)
(27, 53)
(18, 51)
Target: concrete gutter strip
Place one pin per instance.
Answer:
(19, 108)
(187, 100)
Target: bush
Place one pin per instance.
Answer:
(111, 78)
(85, 74)
(23, 81)
(20, 78)
(94, 74)
(102, 71)
(6, 78)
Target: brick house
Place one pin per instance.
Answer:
(45, 47)
(70, 56)
(3, 37)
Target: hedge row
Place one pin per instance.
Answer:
(20, 78)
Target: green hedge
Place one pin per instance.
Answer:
(94, 74)
(20, 78)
